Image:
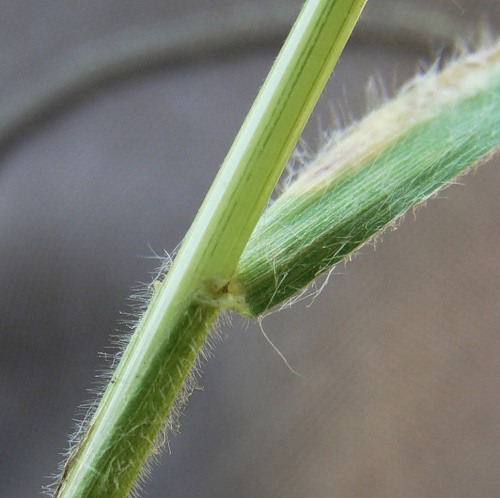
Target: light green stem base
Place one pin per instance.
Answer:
(163, 349)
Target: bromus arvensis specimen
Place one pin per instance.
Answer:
(118, 438)
(441, 125)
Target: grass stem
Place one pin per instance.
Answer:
(121, 433)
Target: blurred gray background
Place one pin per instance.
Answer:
(114, 117)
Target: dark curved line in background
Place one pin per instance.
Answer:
(73, 77)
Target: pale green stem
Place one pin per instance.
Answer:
(162, 351)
